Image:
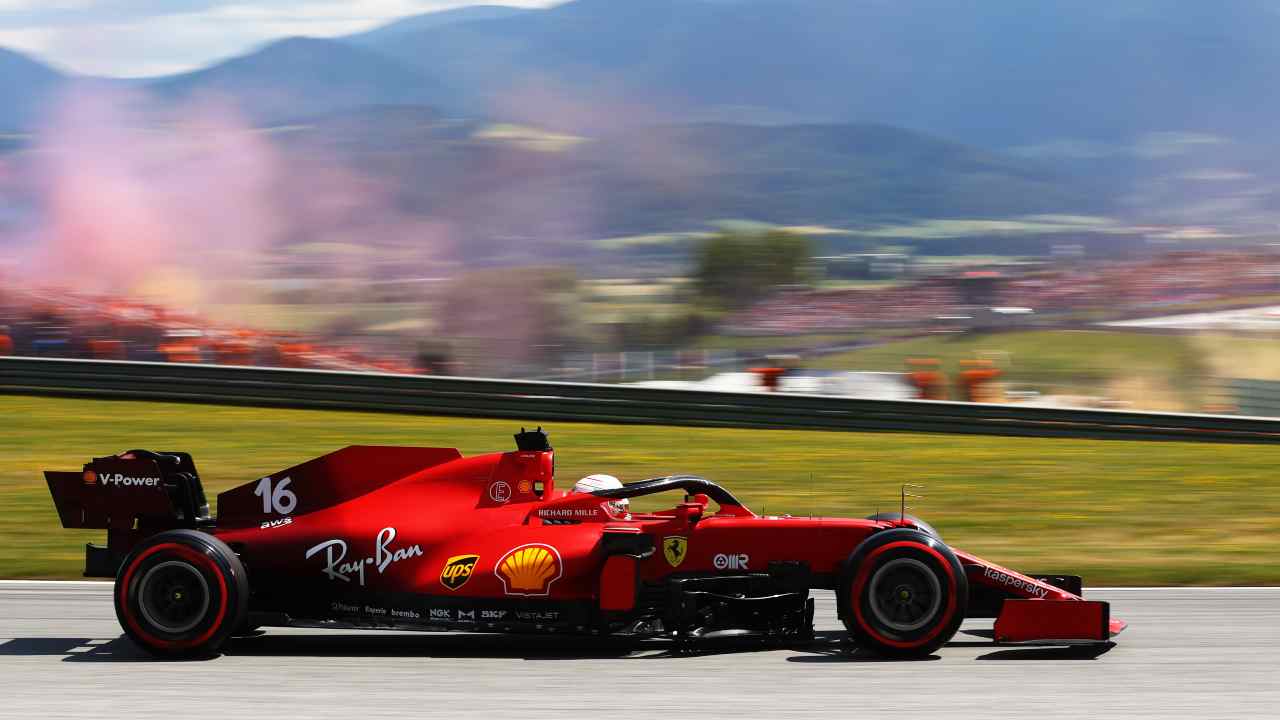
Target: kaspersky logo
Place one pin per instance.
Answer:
(1014, 582)
(529, 569)
(457, 570)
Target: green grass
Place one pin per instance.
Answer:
(1116, 512)
(1227, 303)
(658, 240)
(843, 285)
(942, 228)
(767, 343)
(307, 317)
(1105, 314)
(1152, 371)
(1080, 352)
(764, 343)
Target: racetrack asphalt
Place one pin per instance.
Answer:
(1188, 653)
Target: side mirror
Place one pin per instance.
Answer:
(690, 511)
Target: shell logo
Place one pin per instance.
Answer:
(90, 477)
(529, 569)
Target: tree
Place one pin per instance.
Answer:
(735, 268)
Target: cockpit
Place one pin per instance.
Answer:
(699, 492)
(613, 503)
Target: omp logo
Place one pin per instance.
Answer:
(674, 549)
(1016, 583)
(116, 479)
(731, 561)
(529, 569)
(457, 570)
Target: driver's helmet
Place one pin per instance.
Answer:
(600, 481)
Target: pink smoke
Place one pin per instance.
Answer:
(129, 188)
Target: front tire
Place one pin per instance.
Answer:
(921, 525)
(181, 594)
(903, 594)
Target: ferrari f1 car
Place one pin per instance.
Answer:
(426, 539)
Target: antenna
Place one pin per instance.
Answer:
(905, 495)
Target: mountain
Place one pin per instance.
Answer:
(654, 116)
(555, 192)
(991, 73)
(426, 21)
(26, 86)
(839, 174)
(996, 73)
(299, 76)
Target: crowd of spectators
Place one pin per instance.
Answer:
(1114, 286)
(71, 325)
(814, 311)
(1143, 284)
(62, 324)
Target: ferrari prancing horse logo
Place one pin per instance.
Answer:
(674, 548)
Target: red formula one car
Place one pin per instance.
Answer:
(425, 539)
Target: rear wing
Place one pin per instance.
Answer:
(130, 495)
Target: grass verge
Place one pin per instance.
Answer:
(1149, 370)
(1116, 512)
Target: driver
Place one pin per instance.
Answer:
(600, 481)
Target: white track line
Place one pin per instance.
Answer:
(1183, 588)
(53, 584)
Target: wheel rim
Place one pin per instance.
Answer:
(173, 596)
(904, 595)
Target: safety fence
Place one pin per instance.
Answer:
(535, 402)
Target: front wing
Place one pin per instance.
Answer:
(1037, 610)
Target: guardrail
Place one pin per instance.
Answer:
(534, 402)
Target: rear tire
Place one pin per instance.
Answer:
(181, 594)
(903, 594)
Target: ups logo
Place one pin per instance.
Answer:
(457, 571)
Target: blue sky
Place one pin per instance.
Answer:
(131, 38)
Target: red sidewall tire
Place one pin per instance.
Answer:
(936, 571)
(921, 525)
(181, 593)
